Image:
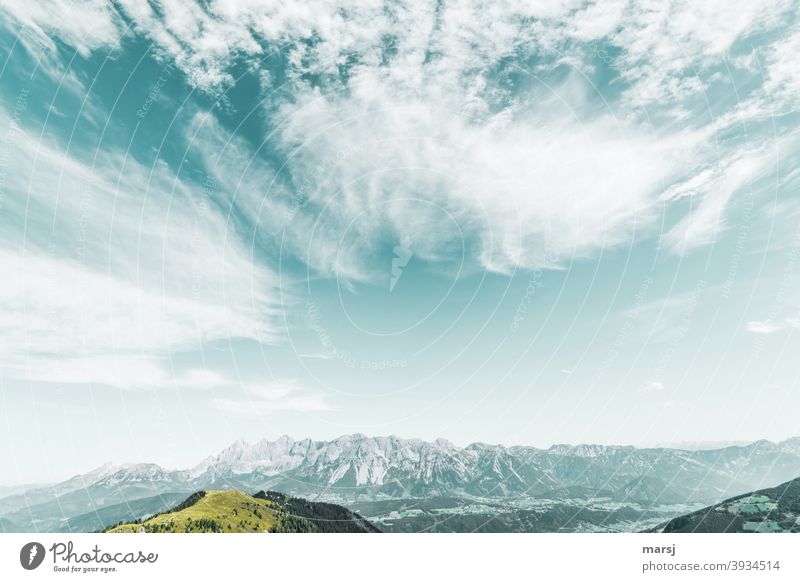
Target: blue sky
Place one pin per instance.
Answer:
(502, 222)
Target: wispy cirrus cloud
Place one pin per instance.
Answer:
(280, 395)
(99, 25)
(124, 371)
(119, 265)
(475, 129)
(515, 186)
(713, 189)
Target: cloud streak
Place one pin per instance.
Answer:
(280, 395)
(770, 327)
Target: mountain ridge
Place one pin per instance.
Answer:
(774, 509)
(355, 468)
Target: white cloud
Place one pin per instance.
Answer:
(513, 181)
(85, 25)
(524, 187)
(667, 318)
(666, 46)
(280, 395)
(653, 387)
(49, 305)
(763, 327)
(447, 150)
(116, 259)
(783, 71)
(119, 371)
(769, 327)
(711, 190)
(663, 47)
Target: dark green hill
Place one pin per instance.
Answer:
(326, 517)
(764, 511)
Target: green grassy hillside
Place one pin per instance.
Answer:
(238, 512)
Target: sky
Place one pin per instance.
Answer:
(506, 222)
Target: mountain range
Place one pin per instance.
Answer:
(355, 470)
